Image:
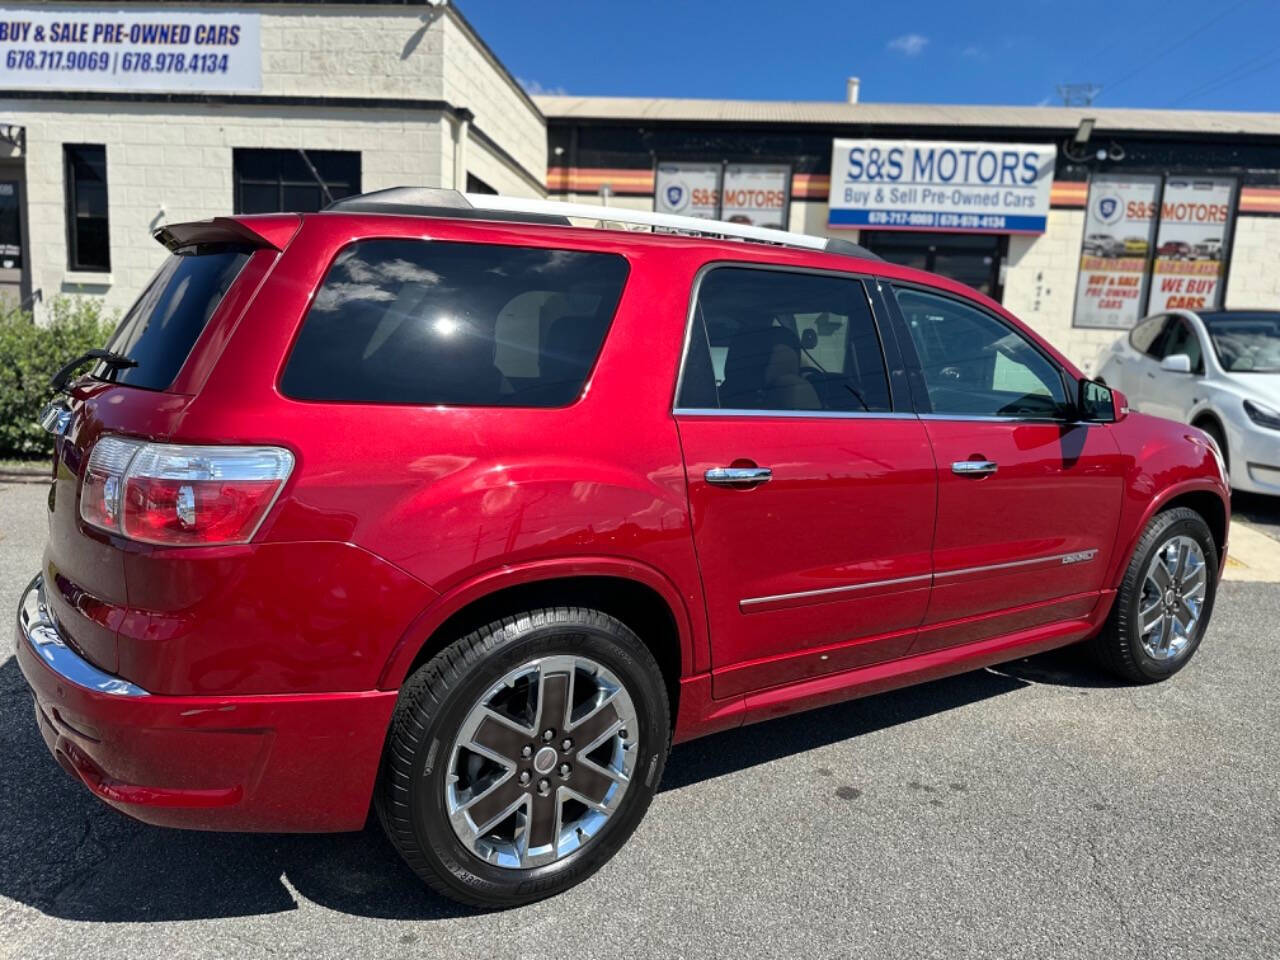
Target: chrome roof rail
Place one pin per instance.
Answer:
(426, 201)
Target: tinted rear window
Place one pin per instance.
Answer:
(426, 322)
(162, 326)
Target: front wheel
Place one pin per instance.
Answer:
(1163, 606)
(523, 756)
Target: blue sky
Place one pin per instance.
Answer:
(1218, 55)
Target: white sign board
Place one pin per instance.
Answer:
(688, 189)
(1195, 220)
(173, 50)
(756, 194)
(1118, 225)
(956, 187)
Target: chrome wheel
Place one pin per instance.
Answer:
(541, 762)
(1173, 592)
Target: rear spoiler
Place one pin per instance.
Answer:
(273, 230)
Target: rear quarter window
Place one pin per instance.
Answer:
(429, 322)
(163, 324)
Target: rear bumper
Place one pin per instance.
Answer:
(303, 762)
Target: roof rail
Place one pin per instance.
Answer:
(427, 201)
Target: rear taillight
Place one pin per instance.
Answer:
(181, 495)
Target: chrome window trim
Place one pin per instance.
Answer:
(793, 414)
(994, 418)
(1075, 556)
(696, 288)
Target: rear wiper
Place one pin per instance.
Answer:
(113, 360)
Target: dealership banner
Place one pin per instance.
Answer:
(756, 194)
(173, 50)
(689, 189)
(1195, 220)
(1118, 226)
(957, 187)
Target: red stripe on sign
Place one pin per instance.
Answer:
(1260, 199)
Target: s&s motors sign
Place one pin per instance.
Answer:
(960, 187)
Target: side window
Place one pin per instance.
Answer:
(1182, 339)
(430, 322)
(780, 340)
(975, 365)
(1146, 336)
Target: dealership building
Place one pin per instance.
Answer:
(116, 118)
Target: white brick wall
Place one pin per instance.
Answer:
(171, 162)
(168, 163)
(472, 78)
(1254, 274)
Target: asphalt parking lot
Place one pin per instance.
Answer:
(1034, 810)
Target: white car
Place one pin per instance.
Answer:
(1216, 369)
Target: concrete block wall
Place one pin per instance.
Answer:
(472, 78)
(1253, 278)
(321, 50)
(168, 163)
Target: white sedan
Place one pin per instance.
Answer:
(1216, 369)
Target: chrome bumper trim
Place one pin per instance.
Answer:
(41, 633)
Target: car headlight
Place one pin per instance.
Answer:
(1263, 416)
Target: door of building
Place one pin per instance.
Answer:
(972, 259)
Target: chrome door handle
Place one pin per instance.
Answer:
(975, 468)
(738, 476)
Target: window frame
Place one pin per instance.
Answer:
(1183, 321)
(1157, 339)
(919, 390)
(74, 264)
(280, 184)
(579, 398)
(888, 349)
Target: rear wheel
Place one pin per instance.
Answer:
(522, 756)
(1165, 600)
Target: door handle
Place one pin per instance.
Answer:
(738, 476)
(975, 468)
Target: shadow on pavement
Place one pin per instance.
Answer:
(68, 855)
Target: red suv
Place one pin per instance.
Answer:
(469, 514)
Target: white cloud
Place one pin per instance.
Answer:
(909, 44)
(974, 52)
(534, 88)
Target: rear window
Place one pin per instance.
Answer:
(426, 322)
(162, 326)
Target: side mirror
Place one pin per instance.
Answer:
(1176, 363)
(1098, 403)
(809, 338)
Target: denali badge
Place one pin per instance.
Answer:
(1080, 557)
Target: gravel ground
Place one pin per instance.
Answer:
(1034, 810)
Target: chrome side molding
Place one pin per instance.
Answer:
(1079, 556)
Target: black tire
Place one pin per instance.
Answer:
(1118, 647)
(435, 701)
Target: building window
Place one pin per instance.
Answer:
(294, 181)
(88, 246)
(10, 226)
(476, 185)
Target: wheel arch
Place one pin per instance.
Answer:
(1202, 497)
(635, 594)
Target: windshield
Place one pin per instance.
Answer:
(1245, 342)
(160, 329)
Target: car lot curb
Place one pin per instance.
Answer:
(1252, 555)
